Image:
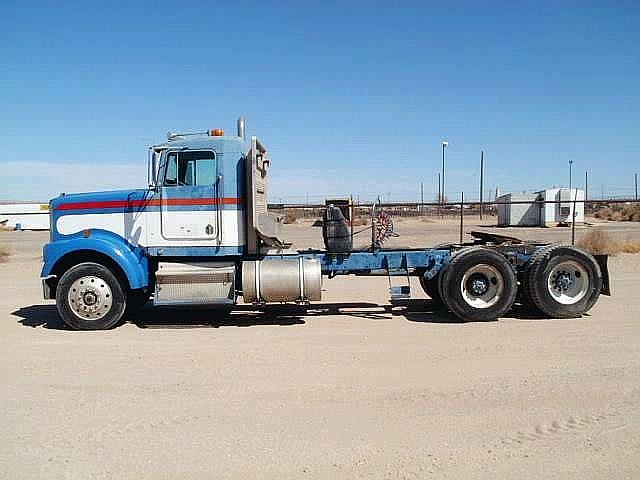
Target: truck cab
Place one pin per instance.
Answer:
(178, 240)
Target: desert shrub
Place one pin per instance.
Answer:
(605, 213)
(599, 242)
(620, 213)
(290, 217)
(629, 245)
(631, 213)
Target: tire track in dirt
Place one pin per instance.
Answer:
(573, 425)
(114, 430)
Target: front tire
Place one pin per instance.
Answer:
(479, 284)
(90, 297)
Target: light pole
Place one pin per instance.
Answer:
(444, 146)
(570, 164)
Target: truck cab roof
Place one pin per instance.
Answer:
(199, 141)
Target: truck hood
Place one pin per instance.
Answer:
(112, 199)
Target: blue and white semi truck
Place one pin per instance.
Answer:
(201, 234)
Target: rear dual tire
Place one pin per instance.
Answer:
(562, 281)
(478, 284)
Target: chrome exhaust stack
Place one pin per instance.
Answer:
(241, 128)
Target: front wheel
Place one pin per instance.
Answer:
(479, 285)
(90, 297)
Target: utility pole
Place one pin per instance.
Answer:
(586, 185)
(421, 196)
(586, 190)
(636, 177)
(481, 180)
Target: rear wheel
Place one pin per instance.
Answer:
(563, 281)
(479, 285)
(90, 297)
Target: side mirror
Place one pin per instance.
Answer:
(152, 168)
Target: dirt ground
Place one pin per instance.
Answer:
(350, 389)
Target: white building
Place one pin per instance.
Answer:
(25, 216)
(518, 214)
(555, 213)
(537, 213)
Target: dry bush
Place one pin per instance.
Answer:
(629, 245)
(4, 253)
(631, 213)
(290, 217)
(599, 242)
(620, 213)
(5, 228)
(604, 213)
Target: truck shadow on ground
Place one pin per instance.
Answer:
(421, 311)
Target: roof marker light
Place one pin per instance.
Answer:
(217, 132)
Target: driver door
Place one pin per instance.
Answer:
(188, 205)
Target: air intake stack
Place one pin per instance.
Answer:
(241, 128)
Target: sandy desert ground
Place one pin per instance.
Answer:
(349, 389)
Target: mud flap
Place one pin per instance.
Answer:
(602, 262)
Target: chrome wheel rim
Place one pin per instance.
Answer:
(568, 282)
(90, 297)
(482, 286)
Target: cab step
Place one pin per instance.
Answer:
(400, 292)
(399, 284)
(195, 283)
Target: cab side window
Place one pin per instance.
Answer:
(190, 169)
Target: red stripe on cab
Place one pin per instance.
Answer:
(144, 203)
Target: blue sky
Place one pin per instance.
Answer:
(350, 97)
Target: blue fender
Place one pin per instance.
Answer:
(131, 259)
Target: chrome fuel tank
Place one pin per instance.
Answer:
(281, 280)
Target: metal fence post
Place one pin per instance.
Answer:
(461, 214)
(481, 180)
